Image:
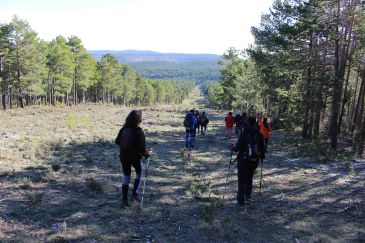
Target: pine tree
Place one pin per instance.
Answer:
(61, 69)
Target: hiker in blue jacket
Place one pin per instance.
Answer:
(190, 123)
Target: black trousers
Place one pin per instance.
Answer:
(203, 128)
(127, 167)
(246, 170)
(197, 127)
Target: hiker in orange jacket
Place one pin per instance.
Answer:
(265, 129)
(229, 124)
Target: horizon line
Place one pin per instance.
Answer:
(186, 53)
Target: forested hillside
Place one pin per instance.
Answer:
(175, 66)
(34, 71)
(195, 70)
(306, 68)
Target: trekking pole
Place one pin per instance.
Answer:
(262, 166)
(145, 164)
(229, 168)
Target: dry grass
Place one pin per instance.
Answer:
(60, 181)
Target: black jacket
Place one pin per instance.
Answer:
(238, 119)
(241, 144)
(134, 145)
(205, 122)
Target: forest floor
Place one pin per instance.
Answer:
(60, 181)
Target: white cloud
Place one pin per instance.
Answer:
(190, 26)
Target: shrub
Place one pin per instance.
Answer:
(34, 197)
(94, 185)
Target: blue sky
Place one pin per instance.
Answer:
(186, 26)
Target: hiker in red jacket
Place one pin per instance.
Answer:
(229, 124)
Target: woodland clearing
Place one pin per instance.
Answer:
(60, 181)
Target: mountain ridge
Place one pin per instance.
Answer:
(169, 66)
(127, 56)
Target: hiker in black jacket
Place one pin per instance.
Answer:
(251, 148)
(239, 123)
(132, 142)
(203, 123)
(198, 121)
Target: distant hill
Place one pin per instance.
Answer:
(176, 66)
(151, 56)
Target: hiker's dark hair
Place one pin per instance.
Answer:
(251, 120)
(133, 119)
(230, 113)
(264, 120)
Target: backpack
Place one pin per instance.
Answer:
(238, 119)
(127, 139)
(188, 121)
(252, 150)
(203, 119)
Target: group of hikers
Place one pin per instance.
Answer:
(253, 136)
(193, 123)
(263, 122)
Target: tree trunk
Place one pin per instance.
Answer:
(337, 87)
(345, 57)
(307, 121)
(359, 139)
(317, 111)
(354, 101)
(345, 98)
(319, 100)
(27, 100)
(356, 123)
(10, 99)
(21, 101)
(314, 95)
(54, 98)
(4, 98)
(46, 97)
(49, 95)
(74, 87)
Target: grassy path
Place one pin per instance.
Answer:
(60, 181)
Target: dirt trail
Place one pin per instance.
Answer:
(69, 190)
